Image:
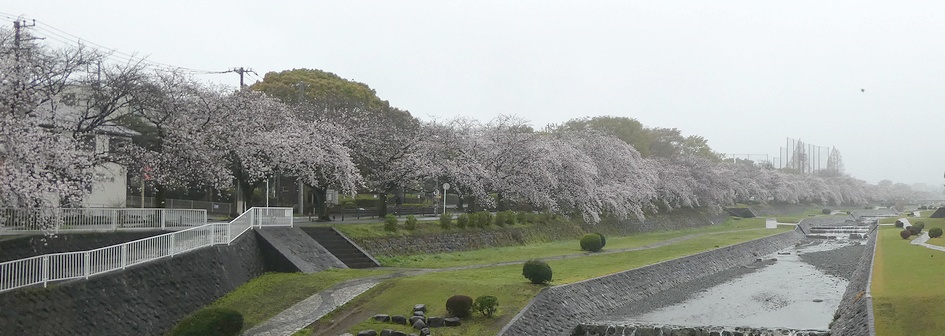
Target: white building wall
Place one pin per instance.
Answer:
(110, 187)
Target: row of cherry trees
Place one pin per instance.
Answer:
(334, 133)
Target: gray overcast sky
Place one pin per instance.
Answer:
(743, 74)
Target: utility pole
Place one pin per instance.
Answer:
(18, 26)
(241, 71)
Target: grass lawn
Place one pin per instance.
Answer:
(270, 294)
(543, 250)
(397, 296)
(906, 289)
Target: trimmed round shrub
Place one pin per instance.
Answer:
(914, 230)
(591, 242)
(935, 232)
(210, 322)
(603, 240)
(899, 224)
(484, 219)
(390, 223)
(446, 221)
(500, 218)
(522, 217)
(459, 305)
(920, 225)
(905, 234)
(410, 223)
(486, 305)
(825, 211)
(537, 271)
(462, 221)
(509, 217)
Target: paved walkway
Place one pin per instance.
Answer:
(921, 241)
(308, 311)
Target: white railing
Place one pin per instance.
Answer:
(24, 220)
(75, 265)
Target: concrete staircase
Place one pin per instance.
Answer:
(340, 246)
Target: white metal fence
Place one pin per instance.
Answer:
(221, 208)
(83, 264)
(22, 220)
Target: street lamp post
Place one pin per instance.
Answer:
(446, 186)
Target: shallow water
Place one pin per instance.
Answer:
(779, 295)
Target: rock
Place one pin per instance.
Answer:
(387, 332)
(818, 300)
(398, 319)
(452, 321)
(425, 332)
(381, 318)
(419, 313)
(367, 333)
(419, 325)
(784, 253)
(398, 333)
(420, 307)
(414, 319)
(435, 322)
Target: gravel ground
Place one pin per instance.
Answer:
(839, 262)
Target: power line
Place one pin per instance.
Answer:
(49, 31)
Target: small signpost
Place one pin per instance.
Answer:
(446, 186)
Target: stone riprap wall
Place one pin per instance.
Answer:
(33, 245)
(146, 299)
(854, 316)
(558, 310)
(472, 239)
(671, 330)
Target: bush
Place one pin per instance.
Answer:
(509, 217)
(591, 242)
(459, 305)
(825, 211)
(446, 221)
(390, 223)
(411, 222)
(935, 232)
(462, 221)
(603, 240)
(500, 218)
(914, 230)
(920, 225)
(537, 271)
(486, 305)
(899, 224)
(905, 234)
(210, 322)
(485, 219)
(521, 217)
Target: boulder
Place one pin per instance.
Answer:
(420, 307)
(414, 319)
(398, 333)
(419, 325)
(419, 313)
(367, 333)
(425, 332)
(452, 321)
(381, 318)
(398, 319)
(387, 332)
(435, 322)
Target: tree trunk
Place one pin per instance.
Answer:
(321, 197)
(382, 205)
(159, 195)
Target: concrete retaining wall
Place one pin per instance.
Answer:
(854, 317)
(557, 310)
(146, 299)
(473, 239)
